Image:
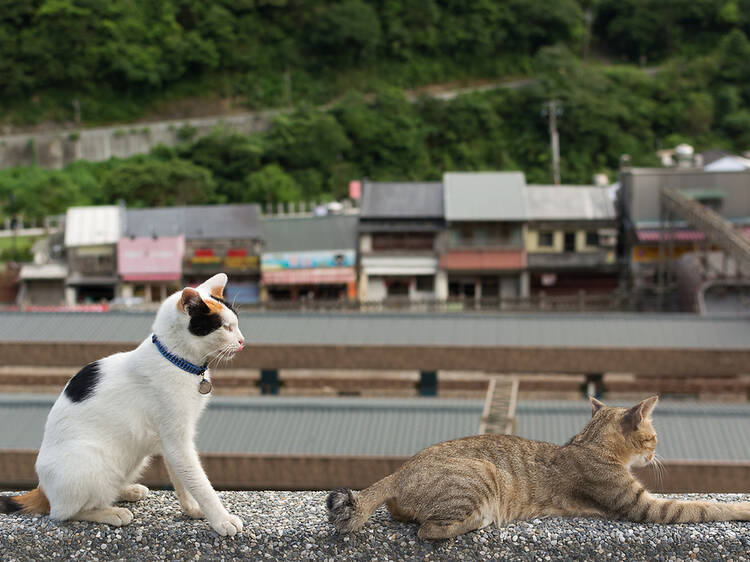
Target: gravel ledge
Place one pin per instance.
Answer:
(293, 525)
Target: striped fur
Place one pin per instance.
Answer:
(466, 484)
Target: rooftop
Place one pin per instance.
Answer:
(402, 427)
(569, 202)
(196, 221)
(294, 526)
(90, 226)
(408, 200)
(485, 196)
(300, 234)
(604, 331)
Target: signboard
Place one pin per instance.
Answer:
(308, 260)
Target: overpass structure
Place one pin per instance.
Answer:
(644, 344)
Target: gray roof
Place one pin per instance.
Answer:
(407, 200)
(196, 221)
(616, 331)
(300, 234)
(485, 196)
(686, 430)
(569, 202)
(289, 425)
(365, 426)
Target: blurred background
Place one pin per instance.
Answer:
(438, 218)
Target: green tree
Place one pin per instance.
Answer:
(156, 183)
(347, 32)
(271, 185)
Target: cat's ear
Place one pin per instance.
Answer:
(641, 411)
(216, 285)
(190, 300)
(596, 405)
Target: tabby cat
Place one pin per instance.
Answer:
(466, 484)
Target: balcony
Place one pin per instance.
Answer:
(483, 259)
(571, 260)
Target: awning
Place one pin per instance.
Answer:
(316, 276)
(150, 259)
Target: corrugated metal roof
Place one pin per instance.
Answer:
(301, 234)
(289, 425)
(408, 200)
(569, 202)
(196, 221)
(687, 430)
(616, 331)
(485, 196)
(363, 426)
(91, 226)
(160, 221)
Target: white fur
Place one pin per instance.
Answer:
(94, 450)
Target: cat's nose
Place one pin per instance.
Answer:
(241, 343)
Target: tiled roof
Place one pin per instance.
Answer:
(569, 202)
(485, 196)
(407, 200)
(608, 331)
(302, 234)
(363, 426)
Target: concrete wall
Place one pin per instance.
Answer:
(58, 148)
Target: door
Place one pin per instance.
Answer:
(569, 244)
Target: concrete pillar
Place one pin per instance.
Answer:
(70, 296)
(441, 285)
(524, 284)
(362, 289)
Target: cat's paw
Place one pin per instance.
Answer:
(192, 509)
(227, 525)
(133, 493)
(116, 516)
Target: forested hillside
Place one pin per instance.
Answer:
(121, 59)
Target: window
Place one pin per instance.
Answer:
(713, 203)
(403, 241)
(425, 283)
(546, 238)
(592, 238)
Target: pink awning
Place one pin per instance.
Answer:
(654, 235)
(150, 259)
(316, 276)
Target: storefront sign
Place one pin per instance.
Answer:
(308, 260)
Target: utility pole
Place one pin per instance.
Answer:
(552, 109)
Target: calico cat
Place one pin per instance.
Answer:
(118, 411)
(466, 484)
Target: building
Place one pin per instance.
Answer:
(399, 231)
(150, 253)
(91, 235)
(43, 281)
(644, 246)
(571, 239)
(224, 238)
(483, 250)
(309, 257)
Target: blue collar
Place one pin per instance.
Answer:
(183, 364)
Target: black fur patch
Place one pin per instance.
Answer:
(9, 505)
(225, 303)
(202, 321)
(83, 383)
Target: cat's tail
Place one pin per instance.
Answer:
(348, 511)
(33, 502)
